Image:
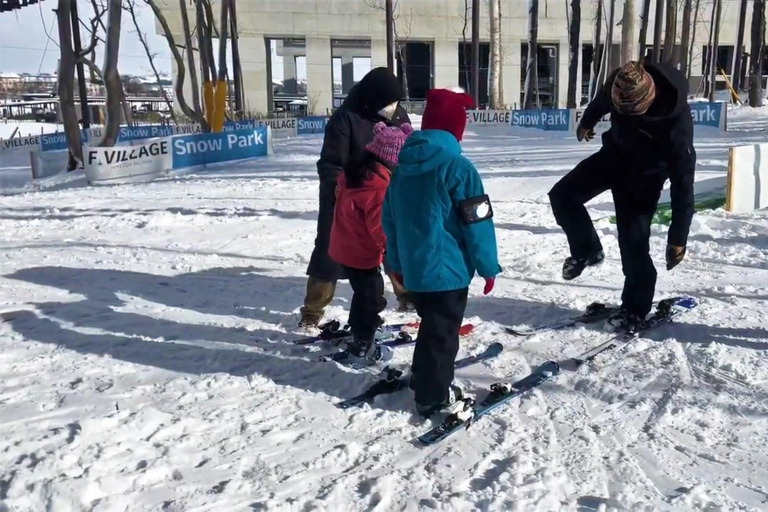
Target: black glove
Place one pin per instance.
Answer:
(675, 255)
(584, 133)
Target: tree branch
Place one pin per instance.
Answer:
(130, 7)
(179, 86)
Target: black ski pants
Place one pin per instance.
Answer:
(437, 343)
(367, 301)
(636, 191)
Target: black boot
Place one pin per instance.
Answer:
(573, 267)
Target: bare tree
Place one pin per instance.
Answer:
(193, 114)
(643, 41)
(531, 72)
(597, 53)
(628, 32)
(670, 34)
(693, 37)
(685, 36)
(130, 7)
(66, 80)
(609, 64)
(195, 85)
(465, 47)
(758, 47)
(220, 96)
(112, 82)
(401, 40)
(574, 43)
(495, 71)
(658, 24)
(739, 51)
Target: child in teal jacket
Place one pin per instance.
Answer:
(438, 222)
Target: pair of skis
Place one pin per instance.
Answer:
(501, 393)
(393, 380)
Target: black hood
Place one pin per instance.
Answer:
(375, 91)
(671, 90)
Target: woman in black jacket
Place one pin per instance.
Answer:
(375, 98)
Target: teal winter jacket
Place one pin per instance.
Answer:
(428, 240)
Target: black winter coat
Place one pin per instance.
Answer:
(348, 131)
(661, 140)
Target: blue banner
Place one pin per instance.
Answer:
(210, 148)
(310, 125)
(708, 114)
(554, 120)
(58, 141)
(233, 126)
(150, 131)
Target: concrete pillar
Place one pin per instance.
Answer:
(289, 72)
(347, 72)
(253, 58)
(511, 74)
(379, 53)
(445, 55)
(319, 75)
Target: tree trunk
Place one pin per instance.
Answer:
(594, 83)
(685, 36)
(195, 115)
(670, 34)
(628, 32)
(574, 37)
(238, 70)
(475, 53)
(693, 37)
(758, 46)
(739, 51)
(495, 71)
(715, 50)
(202, 47)
(657, 26)
(66, 81)
(195, 85)
(643, 41)
(531, 70)
(220, 96)
(112, 83)
(708, 62)
(609, 64)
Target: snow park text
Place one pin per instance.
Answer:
(208, 148)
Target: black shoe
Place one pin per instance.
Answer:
(623, 320)
(455, 395)
(573, 267)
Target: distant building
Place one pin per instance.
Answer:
(332, 42)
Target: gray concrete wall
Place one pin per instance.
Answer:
(437, 21)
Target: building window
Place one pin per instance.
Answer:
(351, 62)
(287, 73)
(465, 69)
(548, 66)
(414, 67)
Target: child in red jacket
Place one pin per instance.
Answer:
(357, 239)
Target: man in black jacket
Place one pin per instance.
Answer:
(375, 98)
(650, 140)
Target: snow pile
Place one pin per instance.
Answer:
(145, 361)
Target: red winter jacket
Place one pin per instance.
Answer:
(357, 238)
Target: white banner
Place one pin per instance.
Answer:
(20, 143)
(746, 188)
(122, 163)
(489, 117)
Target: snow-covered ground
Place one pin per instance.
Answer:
(145, 361)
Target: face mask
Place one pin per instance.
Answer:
(388, 111)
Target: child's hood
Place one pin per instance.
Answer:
(426, 150)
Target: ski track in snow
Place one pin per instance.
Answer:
(145, 361)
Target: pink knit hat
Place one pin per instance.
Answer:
(387, 141)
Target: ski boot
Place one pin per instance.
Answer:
(454, 403)
(573, 267)
(624, 321)
(367, 353)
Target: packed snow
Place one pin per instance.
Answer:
(146, 360)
